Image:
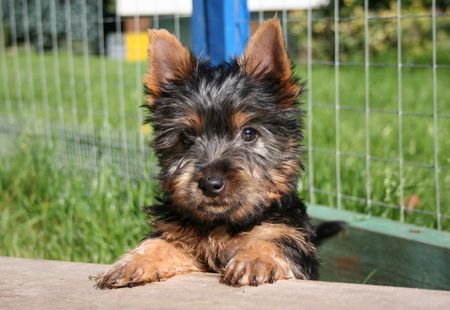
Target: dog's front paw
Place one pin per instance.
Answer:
(132, 271)
(153, 260)
(254, 270)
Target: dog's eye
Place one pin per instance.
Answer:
(186, 139)
(249, 134)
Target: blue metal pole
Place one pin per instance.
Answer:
(220, 28)
(198, 28)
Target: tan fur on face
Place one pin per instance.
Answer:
(179, 185)
(235, 202)
(239, 119)
(281, 177)
(194, 121)
(242, 196)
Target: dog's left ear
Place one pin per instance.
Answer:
(266, 53)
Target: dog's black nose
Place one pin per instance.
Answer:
(212, 185)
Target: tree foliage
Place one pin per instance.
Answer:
(416, 30)
(40, 21)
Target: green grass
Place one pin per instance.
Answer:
(30, 94)
(418, 140)
(53, 211)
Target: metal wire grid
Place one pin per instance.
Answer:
(78, 144)
(367, 110)
(88, 146)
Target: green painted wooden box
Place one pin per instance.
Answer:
(379, 251)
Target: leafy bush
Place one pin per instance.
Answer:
(28, 16)
(416, 30)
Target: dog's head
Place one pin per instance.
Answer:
(227, 137)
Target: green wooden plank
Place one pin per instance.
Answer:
(378, 251)
(384, 226)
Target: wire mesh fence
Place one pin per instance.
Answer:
(377, 83)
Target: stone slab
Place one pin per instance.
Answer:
(41, 284)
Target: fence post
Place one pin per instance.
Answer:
(220, 28)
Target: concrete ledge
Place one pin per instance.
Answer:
(33, 284)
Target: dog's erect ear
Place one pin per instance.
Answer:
(167, 60)
(265, 52)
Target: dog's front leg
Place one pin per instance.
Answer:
(262, 262)
(153, 260)
(268, 253)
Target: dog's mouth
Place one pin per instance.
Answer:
(216, 204)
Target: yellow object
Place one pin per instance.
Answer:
(147, 129)
(136, 46)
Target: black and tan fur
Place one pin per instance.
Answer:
(228, 142)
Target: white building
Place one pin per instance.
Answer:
(184, 7)
(139, 15)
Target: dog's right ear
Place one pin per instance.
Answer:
(167, 60)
